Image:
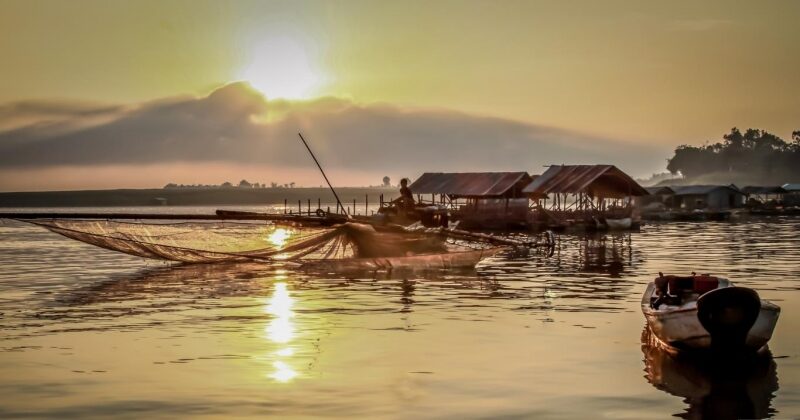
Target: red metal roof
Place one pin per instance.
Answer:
(471, 184)
(599, 180)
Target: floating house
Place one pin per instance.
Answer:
(792, 195)
(489, 200)
(583, 195)
(708, 197)
(764, 194)
(661, 197)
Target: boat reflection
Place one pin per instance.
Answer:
(712, 388)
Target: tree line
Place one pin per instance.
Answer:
(242, 184)
(753, 157)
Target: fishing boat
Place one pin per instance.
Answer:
(703, 312)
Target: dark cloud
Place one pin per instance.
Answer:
(57, 109)
(235, 124)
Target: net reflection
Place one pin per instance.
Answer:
(594, 273)
(181, 282)
(712, 388)
(174, 281)
(585, 274)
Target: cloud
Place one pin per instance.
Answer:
(235, 124)
(47, 113)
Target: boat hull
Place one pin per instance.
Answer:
(681, 328)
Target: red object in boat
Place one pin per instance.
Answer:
(705, 283)
(699, 284)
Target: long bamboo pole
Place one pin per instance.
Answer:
(338, 202)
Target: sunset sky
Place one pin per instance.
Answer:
(104, 94)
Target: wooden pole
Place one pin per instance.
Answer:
(338, 202)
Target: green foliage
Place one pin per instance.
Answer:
(753, 155)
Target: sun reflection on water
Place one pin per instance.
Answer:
(279, 237)
(283, 373)
(281, 330)
(285, 352)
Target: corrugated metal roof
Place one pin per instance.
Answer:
(601, 180)
(469, 184)
(701, 189)
(660, 190)
(753, 189)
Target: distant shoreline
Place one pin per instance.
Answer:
(194, 197)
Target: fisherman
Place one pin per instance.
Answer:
(406, 199)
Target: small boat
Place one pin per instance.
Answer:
(703, 312)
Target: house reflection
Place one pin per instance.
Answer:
(713, 388)
(610, 254)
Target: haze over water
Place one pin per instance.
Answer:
(92, 333)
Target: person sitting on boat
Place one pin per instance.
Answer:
(406, 199)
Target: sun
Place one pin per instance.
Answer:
(280, 67)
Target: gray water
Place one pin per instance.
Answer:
(90, 333)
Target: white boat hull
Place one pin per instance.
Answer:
(679, 327)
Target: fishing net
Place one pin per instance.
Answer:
(195, 242)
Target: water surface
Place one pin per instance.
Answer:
(91, 333)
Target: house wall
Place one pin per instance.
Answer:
(497, 207)
(643, 201)
(792, 198)
(720, 199)
(691, 202)
(493, 213)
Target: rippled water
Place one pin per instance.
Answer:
(91, 333)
